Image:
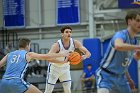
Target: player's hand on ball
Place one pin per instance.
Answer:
(74, 58)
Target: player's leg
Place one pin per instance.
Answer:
(33, 89)
(52, 77)
(105, 82)
(4, 86)
(123, 86)
(20, 86)
(49, 88)
(65, 78)
(102, 90)
(67, 87)
(17, 86)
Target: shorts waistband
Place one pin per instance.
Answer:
(11, 77)
(108, 71)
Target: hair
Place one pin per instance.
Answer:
(23, 42)
(89, 65)
(65, 27)
(131, 15)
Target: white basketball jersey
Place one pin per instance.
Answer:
(70, 48)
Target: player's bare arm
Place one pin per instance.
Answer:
(121, 46)
(49, 56)
(46, 56)
(55, 49)
(137, 55)
(53, 60)
(3, 61)
(30, 56)
(78, 45)
(130, 81)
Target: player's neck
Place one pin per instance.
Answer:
(65, 40)
(132, 33)
(22, 49)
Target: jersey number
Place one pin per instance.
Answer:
(15, 59)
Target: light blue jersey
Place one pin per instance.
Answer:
(111, 73)
(118, 61)
(16, 65)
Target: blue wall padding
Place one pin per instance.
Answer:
(133, 71)
(94, 46)
(105, 45)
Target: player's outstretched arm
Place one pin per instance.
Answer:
(32, 55)
(137, 55)
(121, 46)
(130, 81)
(3, 61)
(86, 53)
(54, 49)
(53, 60)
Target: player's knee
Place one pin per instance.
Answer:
(102, 90)
(33, 89)
(49, 88)
(67, 85)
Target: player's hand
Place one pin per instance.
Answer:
(137, 55)
(87, 79)
(83, 57)
(137, 48)
(132, 85)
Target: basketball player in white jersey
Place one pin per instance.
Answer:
(61, 71)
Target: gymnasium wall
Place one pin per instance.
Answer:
(1, 18)
(47, 43)
(48, 12)
(40, 16)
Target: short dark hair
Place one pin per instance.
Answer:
(65, 27)
(131, 15)
(23, 42)
(89, 65)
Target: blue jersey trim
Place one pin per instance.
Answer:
(65, 81)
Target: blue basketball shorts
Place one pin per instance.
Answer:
(114, 83)
(14, 85)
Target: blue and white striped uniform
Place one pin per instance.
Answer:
(16, 65)
(60, 71)
(111, 73)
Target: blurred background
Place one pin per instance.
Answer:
(93, 23)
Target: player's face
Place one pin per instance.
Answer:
(135, 24)
(89, 67)
(28, 47)
(66, 34)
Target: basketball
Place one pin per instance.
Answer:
(74, 58)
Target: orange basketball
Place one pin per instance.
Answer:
(74, 58)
